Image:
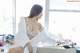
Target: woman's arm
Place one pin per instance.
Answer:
(40, 27)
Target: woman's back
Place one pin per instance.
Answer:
(32, 27)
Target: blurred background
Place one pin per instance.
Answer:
(60, 17)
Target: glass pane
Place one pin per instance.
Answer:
(63, 4)
(66, 24)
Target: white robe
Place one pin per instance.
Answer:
(22, 38)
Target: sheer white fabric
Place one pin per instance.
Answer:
(22, 38)
(44, 38)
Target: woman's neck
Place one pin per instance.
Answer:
(34, 19)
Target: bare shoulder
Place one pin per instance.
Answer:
(40, 26)
(25, 18)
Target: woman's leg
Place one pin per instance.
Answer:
(16, 50)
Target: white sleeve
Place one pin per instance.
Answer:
(21, 37)
(42, 37)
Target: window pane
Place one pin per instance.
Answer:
(7, 15)
(65, 23)
(63, 4)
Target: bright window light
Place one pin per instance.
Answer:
(64, 19)
(6, 16)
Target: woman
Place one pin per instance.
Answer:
(33, 26)
(30, 27)
(35, 31)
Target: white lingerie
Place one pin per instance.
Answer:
(33, 33)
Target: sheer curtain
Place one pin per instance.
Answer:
(7, 16)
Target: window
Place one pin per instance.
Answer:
(7, 17)
(63, 19)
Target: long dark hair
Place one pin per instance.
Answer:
(35, 10)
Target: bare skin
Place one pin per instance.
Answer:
(34, 25)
